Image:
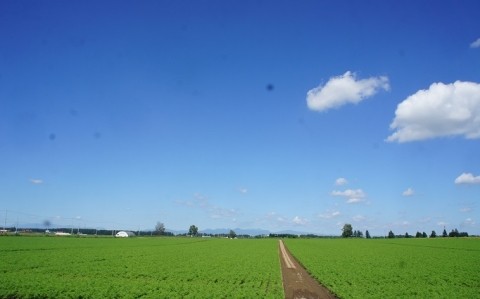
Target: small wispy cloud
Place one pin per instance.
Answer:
(202, 202)
(277, 221)
(408, 192)
(341, 181)
(36, 181)
(344, 89)
(468, 222)
(475, 44)
(299, 220)
(243, 190)
(467, 178)
(352, 196)
(358, 218)
(466, 210)
(329, 214)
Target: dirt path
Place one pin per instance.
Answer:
(297, 283)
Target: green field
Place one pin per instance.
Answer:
(69, 267)
(399, 268)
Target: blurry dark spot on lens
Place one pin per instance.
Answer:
(52, 137)
(270, 87)
(97, 135)
(73, 112)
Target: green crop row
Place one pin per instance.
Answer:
(56, 267)
(406, 268)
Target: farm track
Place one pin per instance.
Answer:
(297, 283)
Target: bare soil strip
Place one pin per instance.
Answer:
(297, 283)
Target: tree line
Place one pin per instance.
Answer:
(348, 232)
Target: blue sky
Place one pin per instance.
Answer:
(276, 115)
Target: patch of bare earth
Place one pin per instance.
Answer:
(297, 283)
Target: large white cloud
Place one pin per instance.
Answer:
(441, 110)
(467, 178)
(344, 89)
(352, 196)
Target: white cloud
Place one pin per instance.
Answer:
(467, 178)
(358, 218)
(465, 209)
(354, 200)
(408, 192)
(341, 181)
(299, 220)
(36, 181)
(243, 190)
(352, 196)
(468, 222)
(277, 221)
(442, 223)
(344, 89)
(329, 215)
(441, 110)
(202, 202)
(475, 44)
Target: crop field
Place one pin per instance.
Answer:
(399, 268)
(69, 267)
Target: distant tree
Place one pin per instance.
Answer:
(418, 235)
(193, 230)
(160, 229)
(391, 235)
(367, 234)
(407, 235)
(47, 224)
(424, 235)
(454, 233)
(347, 231)
(232, 234)
(444, 234)
(359, 234)
(433, 234)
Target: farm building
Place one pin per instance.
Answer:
(124, 234)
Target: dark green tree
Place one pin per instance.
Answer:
(424, 235)
(232, 234)
(193, 230)
(418, 235)
(159, 229)
(433, 234)
(391, 235)
(367, 234)
(444, 234)
(454, 233)
(347, 231)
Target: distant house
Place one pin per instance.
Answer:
(124, 234)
